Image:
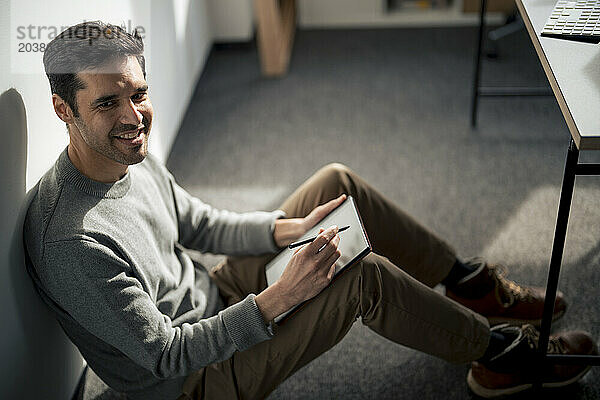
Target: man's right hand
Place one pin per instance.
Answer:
(309, 271)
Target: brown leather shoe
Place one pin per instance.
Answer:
(487, 292)
(514, 370)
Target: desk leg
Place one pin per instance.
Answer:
(475, 97)
(560, 234)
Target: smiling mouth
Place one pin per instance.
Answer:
(132, 138)
(131, 135)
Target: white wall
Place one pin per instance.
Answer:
(231, 20)
(179, 38)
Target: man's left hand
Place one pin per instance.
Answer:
(290, 229)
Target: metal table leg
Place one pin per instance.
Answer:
(572, 169)
(560, 234)
(479, 91)
(475, 97)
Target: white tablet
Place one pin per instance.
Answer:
(354, 243)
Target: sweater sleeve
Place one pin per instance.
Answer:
(100, 291)
(205, 228)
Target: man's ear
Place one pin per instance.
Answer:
(62, 109)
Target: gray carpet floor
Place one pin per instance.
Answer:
(394, 106)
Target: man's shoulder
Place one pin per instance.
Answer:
(47, 192)
(53, 212)
(152, 173)
(155, 167)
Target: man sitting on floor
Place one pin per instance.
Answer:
(106, 237)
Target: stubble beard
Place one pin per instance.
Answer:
(108, 146)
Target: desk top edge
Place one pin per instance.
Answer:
(585, 140)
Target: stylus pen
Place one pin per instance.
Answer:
(305, 241)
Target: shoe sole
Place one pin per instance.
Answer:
(518, 322)
(488, 393)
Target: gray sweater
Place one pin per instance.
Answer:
(108, 260)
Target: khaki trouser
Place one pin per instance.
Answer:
(391, 294)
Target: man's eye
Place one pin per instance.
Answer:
(106, 104)
(139, 96)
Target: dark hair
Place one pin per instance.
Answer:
(84, 46)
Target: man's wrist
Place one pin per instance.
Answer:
(287, 230)
(272, 302)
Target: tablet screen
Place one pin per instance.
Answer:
(353, 241)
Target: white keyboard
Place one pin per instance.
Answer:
(574, 20)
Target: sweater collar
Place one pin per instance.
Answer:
(69, 173)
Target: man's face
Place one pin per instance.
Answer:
(115, 113)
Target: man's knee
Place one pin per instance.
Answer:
(352, 283)
(335, 170)
(370, 286)
(337, 175)
(370, 267)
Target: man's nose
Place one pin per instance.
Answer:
(131, 114)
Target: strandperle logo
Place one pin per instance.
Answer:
(47, 33)
(28, 36)
(34, 23)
